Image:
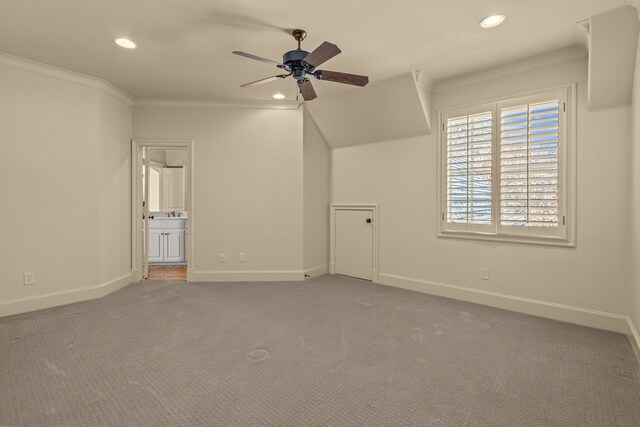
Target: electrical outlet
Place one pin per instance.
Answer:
(29, 278)
(484, 273)
(222, 257)
(242, 257)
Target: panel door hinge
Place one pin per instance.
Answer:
(443, 216)
(443, 126)
(564, 106)
(564, 220)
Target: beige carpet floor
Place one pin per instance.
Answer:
(330, 351)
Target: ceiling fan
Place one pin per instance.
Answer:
(300, 64)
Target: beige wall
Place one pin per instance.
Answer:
(401, 176)
(63, 160)
(248, 187)
(634, 294)
(115, 188)
(316, 166)
(262, 188)
(158, 156)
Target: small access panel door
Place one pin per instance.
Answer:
(354, 243)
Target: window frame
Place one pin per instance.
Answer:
(565, 234)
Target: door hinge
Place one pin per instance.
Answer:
(564, 222)
(443, 216)
(564, 106)
(443, 126)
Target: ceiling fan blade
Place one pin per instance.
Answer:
(322, 54)
(267, 80)
(257, 58)
(334, 76)
(307, 91)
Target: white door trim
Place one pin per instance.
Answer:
(376, 230)
(136, 198)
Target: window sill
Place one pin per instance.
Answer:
(509, 238)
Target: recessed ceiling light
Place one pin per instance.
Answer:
(278, 96)
(492, 21)
(126, 43)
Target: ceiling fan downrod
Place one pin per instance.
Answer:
(299, 35)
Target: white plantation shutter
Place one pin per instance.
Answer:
(507, 170)
(469, 140)
(529, 165)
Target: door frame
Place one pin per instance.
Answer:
(374, 209)
(136, 199)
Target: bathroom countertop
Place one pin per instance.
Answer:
(167, 217)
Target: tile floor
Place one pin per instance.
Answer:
(167, 272)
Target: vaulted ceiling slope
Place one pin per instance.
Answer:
(184, 47)
(389, 109)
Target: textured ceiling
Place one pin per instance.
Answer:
(184, 46)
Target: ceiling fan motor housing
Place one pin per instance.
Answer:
(293, 61)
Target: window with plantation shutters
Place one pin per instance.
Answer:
(507, 170)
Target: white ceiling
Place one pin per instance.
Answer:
(184, 46)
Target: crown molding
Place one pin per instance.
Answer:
(532, 63)
(111, 89)
(217, 103)
(66, 75)
(424, 83)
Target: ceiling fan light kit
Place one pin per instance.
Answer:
(301, 64)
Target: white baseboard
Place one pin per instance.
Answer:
(54, 299)
(375, 274)
(566, 313)
(320, 270)
(634, 338)
(115, 284)
(246, 276)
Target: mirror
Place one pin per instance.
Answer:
(166, 180)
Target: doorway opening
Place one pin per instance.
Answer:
(162, 219)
